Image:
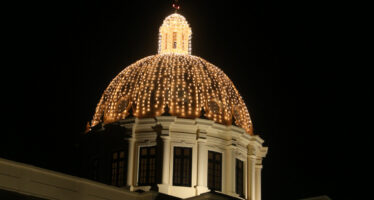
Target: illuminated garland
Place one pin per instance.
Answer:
(175, 79)
(175, 35)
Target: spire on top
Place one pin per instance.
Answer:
(176, 5)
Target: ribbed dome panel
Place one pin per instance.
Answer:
(185, 84)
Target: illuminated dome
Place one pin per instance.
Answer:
(173, 82)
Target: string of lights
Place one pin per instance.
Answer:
(187, 85)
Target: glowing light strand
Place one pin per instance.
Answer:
(185, 83)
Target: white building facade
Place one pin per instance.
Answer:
(187, 128)
(201, 136)
(170, 123)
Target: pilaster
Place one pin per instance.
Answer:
(202, 160)
(258, 181)
(256, 152)
(230, 168)
(130, 169)
(251, 184)
(165, 185)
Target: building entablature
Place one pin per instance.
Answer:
(202, 141)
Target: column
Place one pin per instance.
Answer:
(230, 170)
(166, 160)
(251, 177)
(258, 181)
(165, 185)
(202, 173)
(130, 162)
(201, 163)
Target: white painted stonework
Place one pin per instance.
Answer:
(202, 136)
(199, 134)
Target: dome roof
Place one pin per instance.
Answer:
(185, 84)
(173, 82)
(175, 19)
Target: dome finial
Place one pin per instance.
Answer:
(176, 6)
(175, 35)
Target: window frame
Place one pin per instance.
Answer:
(183, 165)
(148, 159)
(120, 178)
(239, 172)
(216, 177)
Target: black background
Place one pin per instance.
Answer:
(61, 55)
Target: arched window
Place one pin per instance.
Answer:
(174, 40)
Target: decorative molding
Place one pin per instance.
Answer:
(233, 142)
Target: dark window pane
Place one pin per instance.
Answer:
(239, 175)
(152, 151)
(147, 166)
(186, 152)
(210, 155)
(118, 168)
(152, 171)
(218, 157)
(214, 170)
(144, 151)
(182, 166)
(177, 151)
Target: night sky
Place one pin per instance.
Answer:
(63, 54)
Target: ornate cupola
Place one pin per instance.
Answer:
(175, 35)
